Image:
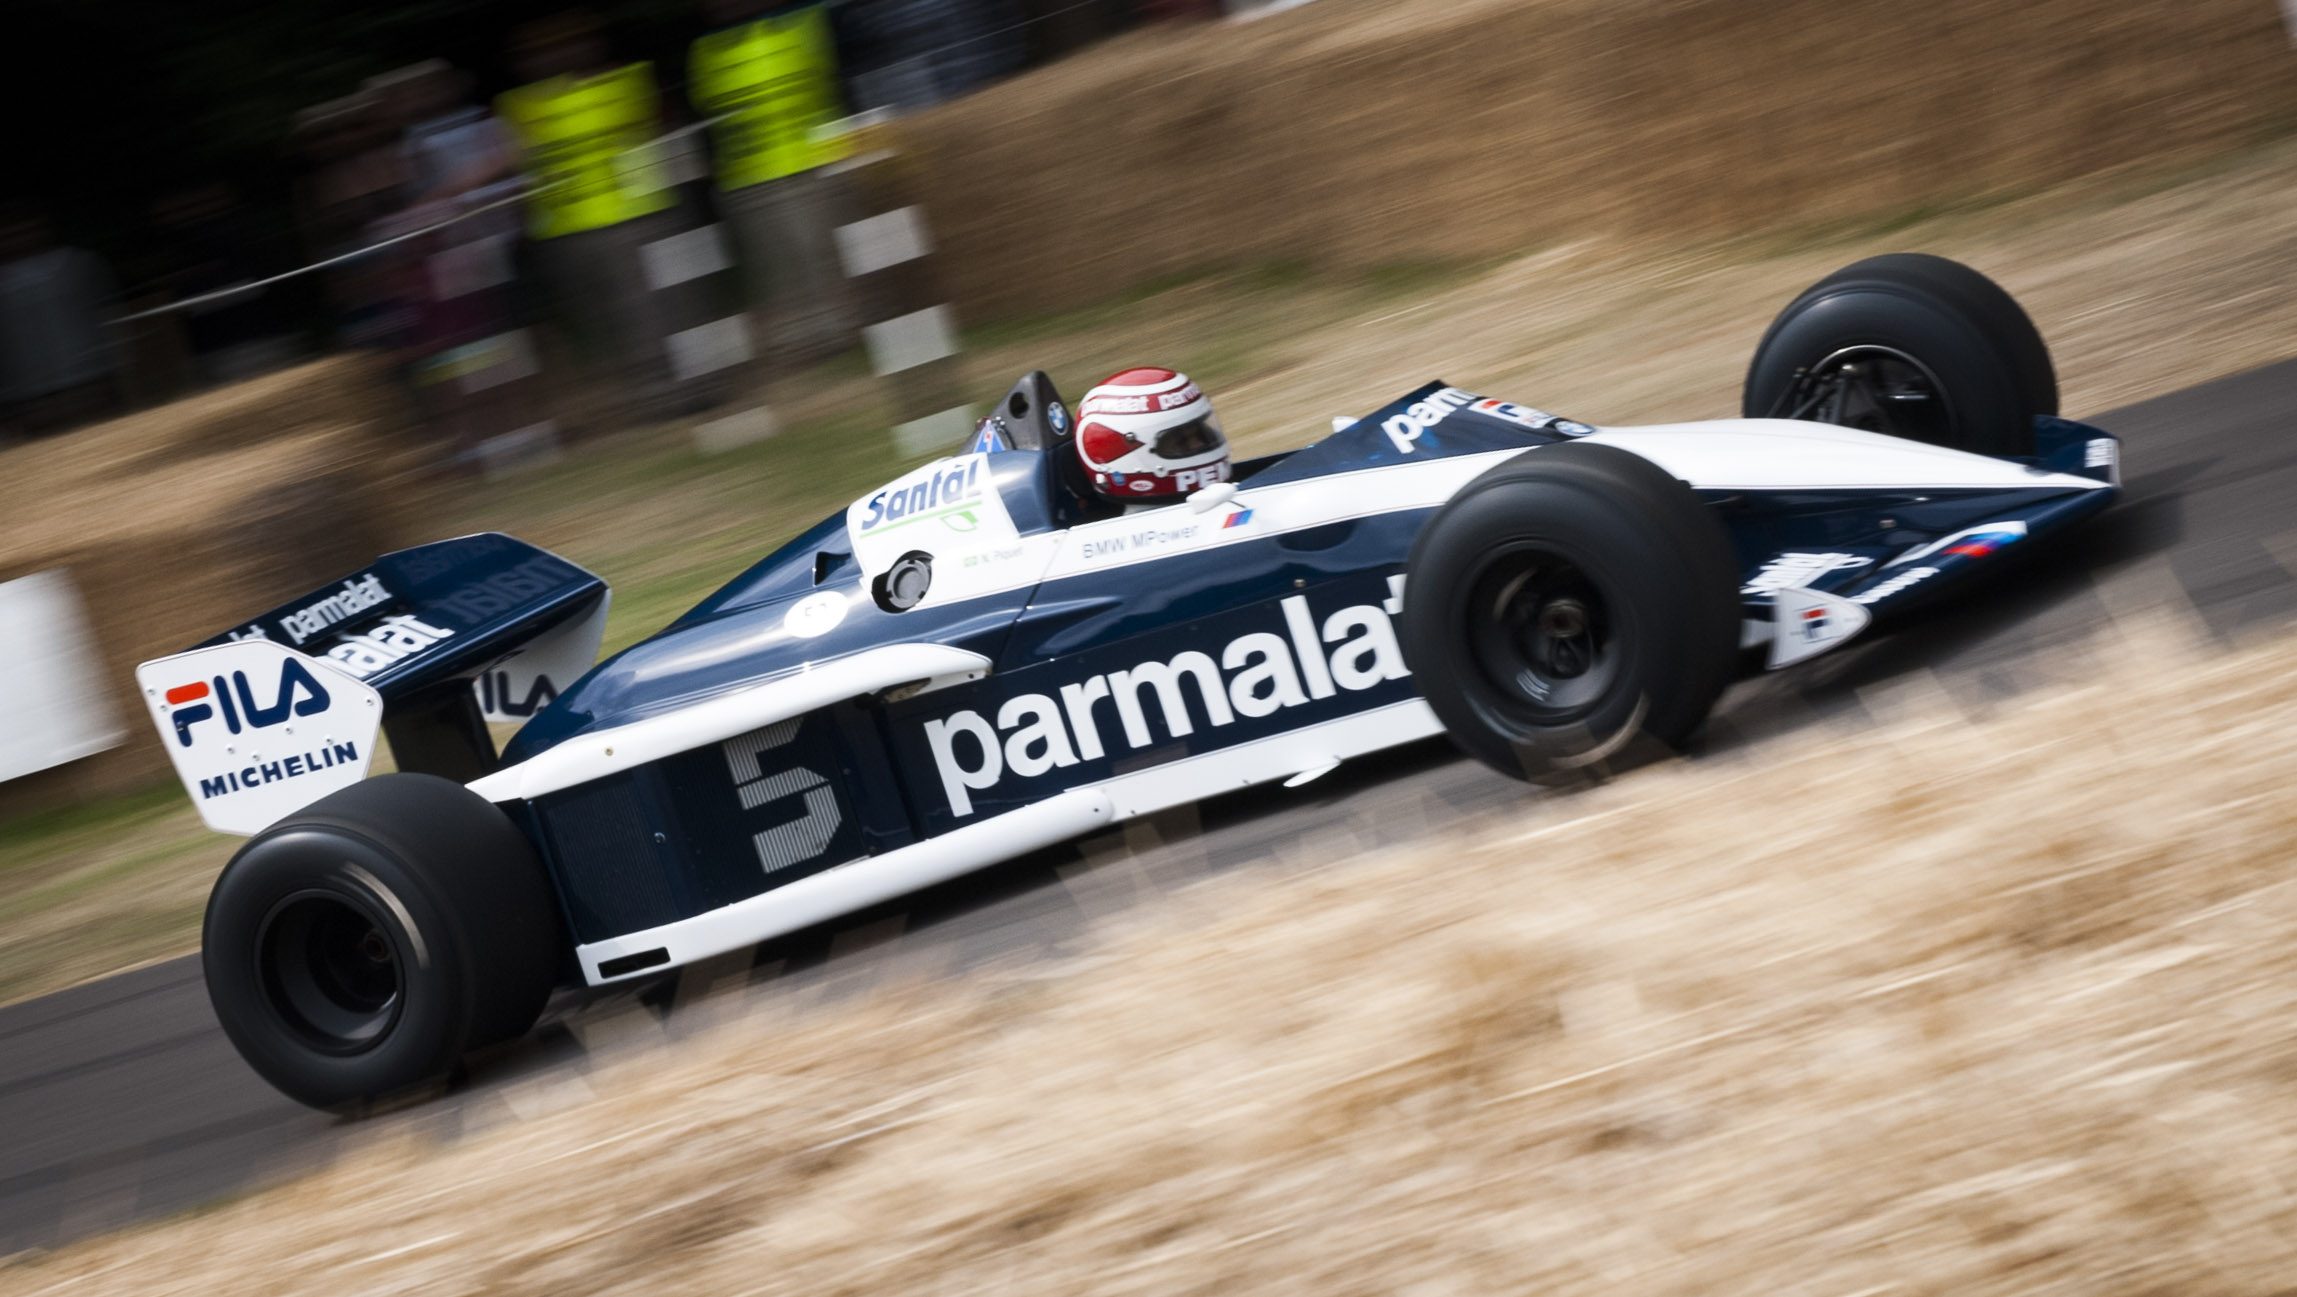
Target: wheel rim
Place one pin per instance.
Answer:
(330, 971)
(1875, 388)
(1541, 637)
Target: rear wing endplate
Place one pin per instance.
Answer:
(425, 644)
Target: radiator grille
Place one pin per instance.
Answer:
(616, 878)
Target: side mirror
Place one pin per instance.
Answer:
(1212, 497)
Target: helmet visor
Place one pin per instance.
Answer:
(1191, 439)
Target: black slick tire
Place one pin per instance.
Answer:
(1568, 609)
(363, 945)
(1953, 359)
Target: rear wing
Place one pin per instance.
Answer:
(445, 611)
(428, 643)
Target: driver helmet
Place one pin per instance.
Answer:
(1150, 434)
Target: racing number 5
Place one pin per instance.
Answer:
(800, 839)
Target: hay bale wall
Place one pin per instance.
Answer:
(175, 523)
(1354, 133)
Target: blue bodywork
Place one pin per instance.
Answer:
(1249, 640)
(672, 840)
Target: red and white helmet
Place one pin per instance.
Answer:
(1146, 434)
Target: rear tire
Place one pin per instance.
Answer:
(363, 945)
(1912, 345)
(1569, 605)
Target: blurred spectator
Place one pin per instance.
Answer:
(56, 356)
(1060, 27)
(204, 233)
(1167, 10)
(911, 54)
(472, 367)
(767, 80)
(596, 196)
(354, 179)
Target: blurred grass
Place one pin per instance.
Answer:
(2140, 286)
(88, 889)
(1674, 1034)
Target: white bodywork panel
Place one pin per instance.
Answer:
(856, 884)
(1806, 623)
(1789, 454)
(610, 751)
(258, 731)
(950, 509)
(1057, 819)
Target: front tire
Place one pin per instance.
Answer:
(363, 945)
(1568, 605)
(1911, 345)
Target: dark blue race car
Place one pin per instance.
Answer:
(976, 661)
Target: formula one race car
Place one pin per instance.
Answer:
(972, 663)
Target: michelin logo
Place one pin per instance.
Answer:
(271, 772)
(1252, 676)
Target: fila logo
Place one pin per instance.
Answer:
(498, 697)
(299, 694)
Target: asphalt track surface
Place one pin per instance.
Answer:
(121, 1101)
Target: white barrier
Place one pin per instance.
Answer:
(51, 680)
